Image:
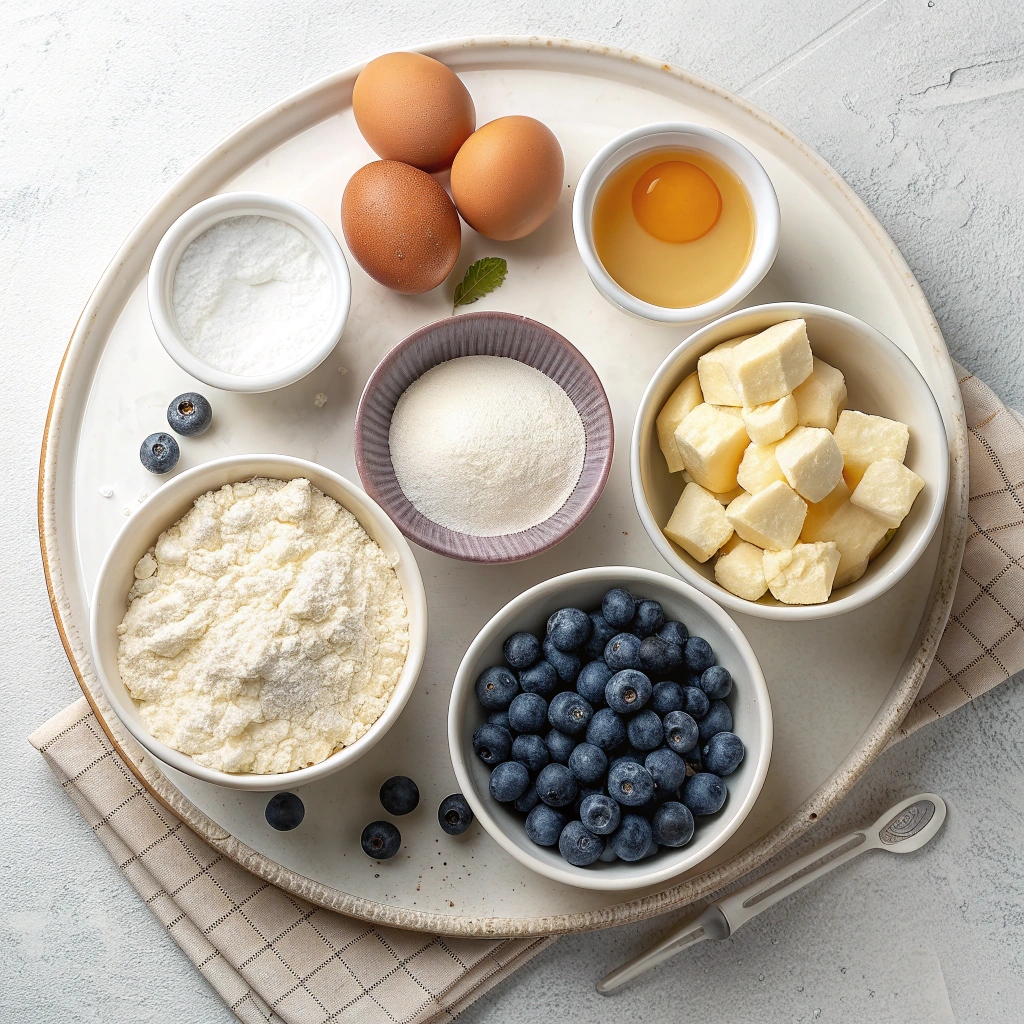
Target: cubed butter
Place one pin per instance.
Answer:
(698, 524)
(887, 490)
(881, 545)
(740, 570)
(819, 512)
(856, 533)
(725, 497)
(771, 518)
(803, 574)
(771, 421)
(811, 461)
(759, 468)
(713, 372)
(771, 364)
(680, 404)
(822, 397)
(711, 444)
(864, 439)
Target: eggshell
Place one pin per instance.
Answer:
(507, 177)
(400, 226)
(413, 108)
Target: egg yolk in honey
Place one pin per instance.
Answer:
(676, 201)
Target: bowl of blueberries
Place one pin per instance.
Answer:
(610, 728)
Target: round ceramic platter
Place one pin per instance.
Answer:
(839, 687)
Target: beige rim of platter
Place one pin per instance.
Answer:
(828, 733)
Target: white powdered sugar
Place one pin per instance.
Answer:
(486, 445)
(265, 629)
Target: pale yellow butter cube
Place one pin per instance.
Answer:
(713, 372)
(759, 468)
(725, 497)
(680, 404)
(698, 524)
(856, 533)
(739, 569)
(803, 574)
(711, 444)
(887, 490)
(771, 421)
(864, 439)
(771, 364)
(882, 544)
(822, 397)
(771, 518)
(819, 512)
(811, 461)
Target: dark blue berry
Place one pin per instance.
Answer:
(716, 682)
(569, 628)
(622, 651)
(557, 785)
(189, 414)
(631, 839)
(600, 633)
(380, 840)
(606, 730)
(704, 793)
(698, 654)
(528, 712)
(680, 732)
(718, 719)
(284, 812)
(672, 824)
(582, 794)
(658, 656)
(667, 696)
(454, 815)
(509, 781)
(600, 814)
(588, 763)
(627, 691)
(618, 608)
(159, 453)
(531, 751)
(630, 783)
(540, 678)
(399, 795)
(645, 730)
(578, 845)
(492, 743)
(566, 665)
(674, 632)
(559, 746)
(498, 718)
(592, 680)
(723, 753)
(697, 702)
(667, 769)
(521, 650)
(496, 687)
(648, 619)
(544, 825)
(528, 800)
(629, 754)
(568, 712)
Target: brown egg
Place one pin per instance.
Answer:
(507, 177)
(413, 108)
(400, 226)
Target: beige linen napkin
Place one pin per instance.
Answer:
(274, 957)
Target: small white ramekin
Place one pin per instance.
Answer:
(189, 226)
(694, 137)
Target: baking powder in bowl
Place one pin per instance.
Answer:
(486, 445)
(251, 295)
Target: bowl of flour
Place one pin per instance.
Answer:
(258, 623)
(486, 437)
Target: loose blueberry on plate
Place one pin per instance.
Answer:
(498, 718)
(544, 825)
(540, 678)
(578, 845)
(606, 730)
(530, 750)
(618, 608)
(716, 682)
(521, 650)
(566, 665)
(672, 824)
(588, 763)
(723, 753)
(284, 812)
(560, 746)
(666, 697)
(667, 769)
(697, 702)
(496, 687)
(674, 632)
(557, 785)
(528, 800)
(630, 783)
(718, 719)
(632, 838)
(528, 712)
(454, 814)
(658, 656)
(627, 691)
(159, 453)
(648, 619)
(645, 730)
(592, 680)
(568, 712)
(622, 651)
(600, 813)
(399, 795)
(492, 743)
(189, 414)
(508, 781)
(569, 628)
(601, 631)
(704, 793)
(380, 840)
(681, 732)
(698, 654)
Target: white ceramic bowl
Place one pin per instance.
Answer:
(673, 134)
(880, 379)
(164, 508)
(749, 701)
(189, 226)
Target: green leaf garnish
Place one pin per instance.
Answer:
(481, 279)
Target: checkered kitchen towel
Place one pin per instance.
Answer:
(274, 957)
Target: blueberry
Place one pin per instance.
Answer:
(618, 607)
(380, 840)
(627, 691)
(716, 682)
(159, 453)
(540, 678)
(284, 812)
(498, 718)
(692, 758)
(723, 753)
(658, 656)
(569, 628)
(544, 825)
(528, 712)
(559, 746)
(592, 680)
(667, 697)
(698, 654)
(600, 633)
(718, 719)
(629, 754)
(630, 783)
(566, 665)
(632, 838)
(582, 794)
(644, 730)
(568, 712)
(557, 785)
(667, 769)
(704, 793)
(578, 845)
(521, 650)
(672, 824)
(492, 743)
(509, 781)
(648, 619)
(496, 687)
(600, 814)
(674, 632)
(697, 702)
(588, 763)
(606, 730)
(680, 732)
(189, 414)
(399, 795)
(528, 800)
(530, 750)
(622, 651)
(454, 815)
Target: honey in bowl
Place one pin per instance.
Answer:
(673, 227)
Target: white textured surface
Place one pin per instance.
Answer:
(917, 103)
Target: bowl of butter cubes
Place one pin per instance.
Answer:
(789, 461)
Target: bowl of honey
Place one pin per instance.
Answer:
(675, 222)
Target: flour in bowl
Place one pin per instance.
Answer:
(265, 629)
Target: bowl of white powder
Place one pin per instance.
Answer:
(486, 437)
(249, 291)
(258, 623)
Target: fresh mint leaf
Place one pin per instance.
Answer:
(481, 279)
